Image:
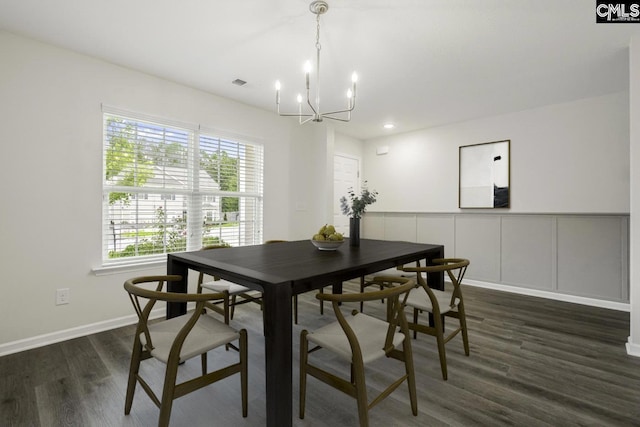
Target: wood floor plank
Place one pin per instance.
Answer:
(60, 403)
(17, 396)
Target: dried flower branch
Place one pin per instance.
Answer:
(358, 204)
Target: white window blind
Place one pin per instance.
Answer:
(172, 188)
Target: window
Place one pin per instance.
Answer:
(171, 188)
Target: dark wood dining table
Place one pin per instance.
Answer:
(285, 269)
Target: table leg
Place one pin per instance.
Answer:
(278, 354)
(436, 280)
(173, 267)
(336, 288)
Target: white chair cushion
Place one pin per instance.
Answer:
(393, 272)
(223, 285)
(371, 334)
(207, 334)
(419, 299)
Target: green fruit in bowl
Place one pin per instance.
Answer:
(328, 233)
(336, 237)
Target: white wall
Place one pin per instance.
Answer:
(349, 146)
(633, 345)
(566, 158)
(51, 157)
(307, 178)
(311, 175)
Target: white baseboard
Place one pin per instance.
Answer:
(67, 334)
(633, 349)
(612, 305)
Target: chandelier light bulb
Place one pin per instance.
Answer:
(354, 77)
(299, 99)
(277, 84)
(349, 93)
(307, 67)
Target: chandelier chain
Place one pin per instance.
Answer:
(318, 45)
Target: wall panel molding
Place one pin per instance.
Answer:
(577, 257)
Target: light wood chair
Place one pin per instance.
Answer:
(233, 294)
(175, 340)
(440, 303)
(360, 339)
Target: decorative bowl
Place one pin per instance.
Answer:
(327, 245)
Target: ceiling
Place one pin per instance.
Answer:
(421, 63)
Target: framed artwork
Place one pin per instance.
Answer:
(484, 175)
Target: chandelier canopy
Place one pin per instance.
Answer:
(318, 8)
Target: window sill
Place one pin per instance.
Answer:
(108, 269)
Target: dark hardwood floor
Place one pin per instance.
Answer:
(533, 362)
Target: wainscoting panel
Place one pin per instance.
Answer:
(590, 256)
(578, 256)
(400, 227)
(373, 226)
(528, 252)
(477, 238)
(437, 229)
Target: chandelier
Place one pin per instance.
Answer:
(318, 8)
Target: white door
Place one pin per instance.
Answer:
(346, 175)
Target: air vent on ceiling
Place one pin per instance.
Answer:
(239, 82)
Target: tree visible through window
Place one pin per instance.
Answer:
(170, 188)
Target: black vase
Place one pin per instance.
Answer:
(354, 231)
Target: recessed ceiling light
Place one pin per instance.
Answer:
(389, 125)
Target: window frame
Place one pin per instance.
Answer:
(248, 169)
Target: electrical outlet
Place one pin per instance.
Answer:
(62, 296)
